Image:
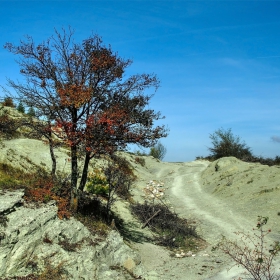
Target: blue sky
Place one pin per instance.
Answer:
(218, 61)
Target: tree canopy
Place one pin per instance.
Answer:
(225, 144)
(82, 90)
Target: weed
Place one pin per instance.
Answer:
(68, 246)
(54, 272)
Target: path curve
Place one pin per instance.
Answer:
(213, 216)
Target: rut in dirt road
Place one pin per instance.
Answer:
(188, 198)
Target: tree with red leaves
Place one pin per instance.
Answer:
(93, 107)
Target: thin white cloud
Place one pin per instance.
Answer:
(275, 139)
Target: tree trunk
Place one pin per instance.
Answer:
(51, 145)
(74, 178)
(85, 172)
(53, 159)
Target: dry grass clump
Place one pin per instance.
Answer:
(172, 231)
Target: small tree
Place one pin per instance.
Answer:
(31, 112)
(8, 126)
(21, 108)
(158, 151)
(225, 144)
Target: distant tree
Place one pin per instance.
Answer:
(225, 144)
(21, 108)
(8, 126)
(8, 102)
(158, 151)
(93, 106)
(31, 112)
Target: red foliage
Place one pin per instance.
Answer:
(44, 190)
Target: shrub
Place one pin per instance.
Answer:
(252, 253)
(8, 102)
(172, 231)
(10, 177)
(97, 183)
(8, 125)
(225, 144)
(158, 151)
(44, 188)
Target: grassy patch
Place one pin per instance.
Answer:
(11, 178)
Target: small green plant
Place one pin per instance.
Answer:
(252, 252)
(97, 183)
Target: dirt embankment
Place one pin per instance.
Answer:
(224, 197)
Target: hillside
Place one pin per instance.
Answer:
(220, 198)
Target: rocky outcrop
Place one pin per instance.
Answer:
(34, 240)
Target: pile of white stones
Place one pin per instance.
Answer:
(154, 190)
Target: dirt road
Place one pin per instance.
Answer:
(215, 217)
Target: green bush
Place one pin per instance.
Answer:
(97, 183)
(225, 144)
